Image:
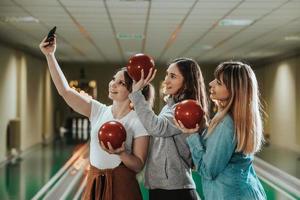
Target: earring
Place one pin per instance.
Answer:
(215, 108)
(131, 106)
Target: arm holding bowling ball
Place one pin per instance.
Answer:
(136, 160)
(180, 126)
(136, 86)
(213, 158)
(158, 126)
(79, 103)
(111, 150)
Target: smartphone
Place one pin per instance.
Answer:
(50, 36)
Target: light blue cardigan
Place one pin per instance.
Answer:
(225, 173)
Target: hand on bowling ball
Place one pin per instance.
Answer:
(112, 132)
(48, 48)
(139, 62)
(136, 86)
(181, 127)
(111, 150)
(189, 112)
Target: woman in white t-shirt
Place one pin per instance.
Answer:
(112, 171)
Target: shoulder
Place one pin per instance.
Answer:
(225, 128)
(135, 125)
(167, 107)
(97, 110)
(133, 120)
(227, 121)
(133, 115)
(97, 105)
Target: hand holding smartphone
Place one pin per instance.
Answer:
(50, 36)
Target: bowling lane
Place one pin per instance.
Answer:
(276, 189)
(23, 178)
(273, 192)
(282, 159)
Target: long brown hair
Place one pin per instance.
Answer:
(243, 105)
(193, 84)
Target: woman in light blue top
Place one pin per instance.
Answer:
(223, 153)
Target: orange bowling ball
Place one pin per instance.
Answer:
(113, 132)
(189, 112)
(138, 62)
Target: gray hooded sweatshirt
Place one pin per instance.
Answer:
(169, 160)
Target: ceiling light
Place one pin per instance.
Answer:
(130, 53)
(235, 22)
(206, 47)
(292, 38)
(130, 36)
(262, 53)
(134, 0)
(202, 47)
(19, 19)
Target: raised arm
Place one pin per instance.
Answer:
(158, 126)
(78, 102)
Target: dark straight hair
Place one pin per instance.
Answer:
(193, 84)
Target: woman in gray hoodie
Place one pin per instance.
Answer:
(168, 168)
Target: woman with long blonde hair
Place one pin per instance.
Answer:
(223, 153)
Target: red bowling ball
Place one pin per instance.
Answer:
(113, 132)
(189, 112)
(138, 62)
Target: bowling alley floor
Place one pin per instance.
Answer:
(23, 178)
(283, 159)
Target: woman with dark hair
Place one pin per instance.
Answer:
(223, 153)
(168, 168)
(112, 173)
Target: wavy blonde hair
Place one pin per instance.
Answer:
(243, 105)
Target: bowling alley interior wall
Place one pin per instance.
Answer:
(101, 73)
(280, 89)
(25, 101)
(28, 97)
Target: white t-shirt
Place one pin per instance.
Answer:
(100, 114)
